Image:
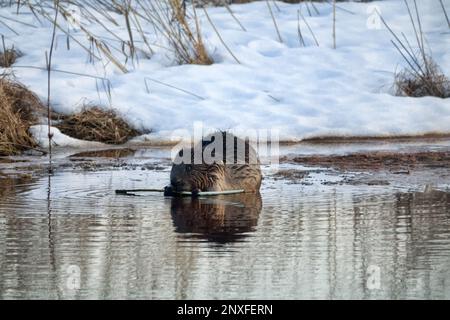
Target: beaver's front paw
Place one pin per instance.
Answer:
(168, 191)
(195, 192)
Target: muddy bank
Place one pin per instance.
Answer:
(430, 137)
(108, 153)
(391, 161)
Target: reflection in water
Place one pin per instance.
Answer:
(219, 219)
(12, 185)
(301, 242)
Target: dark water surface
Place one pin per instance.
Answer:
(69, 236)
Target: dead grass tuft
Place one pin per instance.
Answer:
(181, 31)
(9, 57)
(18, 107)
(421, 77)
(96, 124)
(429, 82)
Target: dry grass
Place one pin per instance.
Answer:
(18, 107)
(185, 39)
(96, 124)
(430, 82)
(171, 21)
(9, 57)
(421, 76)
(218, 2)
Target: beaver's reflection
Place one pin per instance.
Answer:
(220, 219)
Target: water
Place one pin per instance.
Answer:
(69, 236)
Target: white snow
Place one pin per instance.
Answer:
(40, 134)
(303, 92)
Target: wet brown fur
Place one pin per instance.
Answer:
(221, 175)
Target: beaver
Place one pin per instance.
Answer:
(215, 168)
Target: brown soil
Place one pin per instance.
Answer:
(9, 160)
(429, 137)
(290, 175)
(396, 162)
(110, 153)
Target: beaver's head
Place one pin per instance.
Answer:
(206, 170)
(194, 177)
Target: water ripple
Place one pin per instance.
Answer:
(293, 241)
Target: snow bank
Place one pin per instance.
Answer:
(40, 134)
(303, 92)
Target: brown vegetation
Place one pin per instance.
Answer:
(18, 107)
(185, 39)
(96, 124)
(429, 82)
(9, 57)
(421, 76)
